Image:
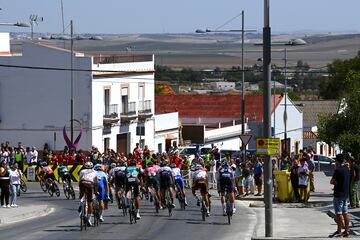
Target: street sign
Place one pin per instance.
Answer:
(245, 139)
(268, 146)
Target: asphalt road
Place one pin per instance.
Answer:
(64, 222)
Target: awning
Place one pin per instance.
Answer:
(170, 137)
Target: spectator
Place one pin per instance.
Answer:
(258, 171)
(311, 166)
(28, 156)
(15, 177)
(238, 179)
(284, 164)
(303, 173)
(198, 160)
(35, 155)
(341, 182)
(246, 178)
(354, 183)
(4, 184)
(294, 178)
(19, 158)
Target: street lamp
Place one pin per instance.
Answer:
(267, 119)
(242, 30)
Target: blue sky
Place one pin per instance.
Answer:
(184, 16)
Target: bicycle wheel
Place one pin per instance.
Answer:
(168, 204)
(66, 191)
(203, 210)
(51, 190)
(72, 192)
(56, 189)
(43, 185)
(156, 202)
(131, 210)
(23, 185)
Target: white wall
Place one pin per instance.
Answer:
(35, 103)
(294, 123)
(165, 124)
(115, 84)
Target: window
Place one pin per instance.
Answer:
(141, 92)
(106, 143)
(107, 100)
(160, 148)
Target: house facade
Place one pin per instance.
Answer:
(113, 99)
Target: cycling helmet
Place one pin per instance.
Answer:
(113, 165)
(225, 163)
(163, 163)
(43, 164)
(88, 165)
(98, 167)
(150, 164)
(173, 165)
(132, 162)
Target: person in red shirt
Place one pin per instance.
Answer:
(177, 160)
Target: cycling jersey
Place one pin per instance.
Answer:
(152, 177)
(119, 176)
(200, 174)
(88, 175)
(226, 179)
(176, 172)
(165, 177)
(102, 182)
(47, 170)
(133, 174)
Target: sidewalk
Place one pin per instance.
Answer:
(298, 220)
(23, 213)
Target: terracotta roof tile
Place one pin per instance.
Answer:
(212, 106)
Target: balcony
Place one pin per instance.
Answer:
(144, 110)
(111, 115)
(128, 112)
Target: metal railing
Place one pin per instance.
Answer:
(128, 109)
(144, 106)
(111, 111)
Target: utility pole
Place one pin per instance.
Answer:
(242, 85)
(267, 119)
(72, 83)
(285, 109)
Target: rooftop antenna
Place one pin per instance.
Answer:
(34, 19)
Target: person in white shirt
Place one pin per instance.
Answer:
(15, 177)
(28, 156)
(35, 155)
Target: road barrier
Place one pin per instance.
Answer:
(31, 173)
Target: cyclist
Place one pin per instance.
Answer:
(133, 180)
(152, 180)
(176, 173)
(88, 179)
(166, 182)
(118, 177)
(46, 172)
(64, 174)
(102, 188)
(226, 181)
(200, 181)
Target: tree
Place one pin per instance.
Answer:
(343, 128)
(338, 83)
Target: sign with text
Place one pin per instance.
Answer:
(268, 146)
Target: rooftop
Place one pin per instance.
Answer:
(212, 106)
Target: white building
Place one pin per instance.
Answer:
(166, 131)
(223, 85)
(113, 97)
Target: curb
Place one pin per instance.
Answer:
(27, 216)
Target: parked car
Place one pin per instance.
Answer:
(191, 150)
(325, 163)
